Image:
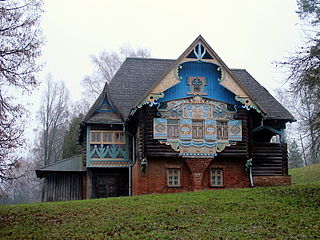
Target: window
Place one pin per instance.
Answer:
(118, 137)
(173, 177)
(197, 129)
(106, 137)
(173, 128)
(95, 137)
(196, 85)
(222, 130)
(216, 177)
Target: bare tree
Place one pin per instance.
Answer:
(20, 42)
(53, 116)
(106, 65)
(304, 78)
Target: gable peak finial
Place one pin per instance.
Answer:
(199, 51)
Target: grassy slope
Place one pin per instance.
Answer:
(306, 175)
(278, 213)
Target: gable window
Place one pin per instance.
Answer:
(197, 129)
(216, 177)
(106, 137)
(222, 130)
(196, 85)
(173, 128)
(173, 177)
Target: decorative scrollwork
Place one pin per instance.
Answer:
(199, 51)
(151, 100)
(248, 103)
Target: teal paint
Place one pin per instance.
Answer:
(88, 157)
(212, 89)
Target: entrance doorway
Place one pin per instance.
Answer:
(105, 186)
(108, 182)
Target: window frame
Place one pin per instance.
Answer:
(214, 173)
(224, 129)
(178, 175)
(198, 128)
(106, 142)
(177, 125)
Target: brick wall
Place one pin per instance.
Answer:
(267, 181)
(195, 175)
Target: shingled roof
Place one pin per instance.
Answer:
(137, 75)
(262, 97)
(72, 164)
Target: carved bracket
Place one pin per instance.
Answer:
(248, 103)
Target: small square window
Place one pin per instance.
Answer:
(173, 178)
(217, 178)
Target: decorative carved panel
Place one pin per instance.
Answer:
(206, 126)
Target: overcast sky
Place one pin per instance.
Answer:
(248, 34)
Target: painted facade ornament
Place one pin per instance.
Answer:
(108, 152)
(222, 74)
(190, 126)
(196, 85)
(248, 103)
(199, 51)
(150, 100)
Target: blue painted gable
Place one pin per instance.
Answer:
(212, 89)
(105, 106)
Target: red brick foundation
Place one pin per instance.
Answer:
(268, 181)
(197, 168)
(194, 175)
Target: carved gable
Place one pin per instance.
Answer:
(199, 56)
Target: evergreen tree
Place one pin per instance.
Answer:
(70, 143)
(294, 155)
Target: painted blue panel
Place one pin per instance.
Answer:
(160, 128)
(185, 129)
(210, 132)
(199, 69)
(105, 106)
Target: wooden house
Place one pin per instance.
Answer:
(164, 126)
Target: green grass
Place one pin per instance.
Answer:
(306, 175)
(257, 213)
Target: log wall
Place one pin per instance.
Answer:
(269, 159)
(63, 187)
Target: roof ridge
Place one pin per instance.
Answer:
(239, 69)
(157, 59)
(60, 161)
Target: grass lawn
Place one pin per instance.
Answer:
(306, 175)
(257, 213)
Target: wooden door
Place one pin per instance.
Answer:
(105, 186)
